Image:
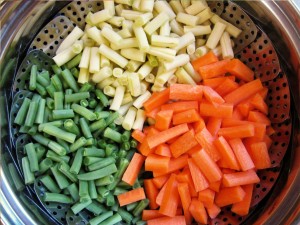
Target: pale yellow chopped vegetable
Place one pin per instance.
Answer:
(104, 24)
(94, 65)
(138, 102)
(119, 8)
(104, 73)
(125, 33)
(193, 73)
(227, 51)
(140, 119)
(129, 118)
(126, 43)
(117, 100)
(146, 5)
(144, 86)
(111, 35)
(144, 70)
(165, 29)
(200, 42)
(127, 98)
(141, 20)
(150, 78)
(191, 48)
(178, 61)
(109, 5)
(124, 108)
(124, 2)
(95, 34)
(117, 72)
(101, 16)
(130, 14)
(75, 34)
(113, 55)
(116, 21)
(83, 76)
(163, 6)
(85, 58)
(64, 56)
(109, 91)
(106, 82)
(160, 53)
(136, 5)
(133, 65)
(185, 3)
(156, 22)
(202, 50)
(183, 77)
(215, 35)
(197, 30)
(172, 80)
(162, 79)
(141, 37)
(231, 29)
(205, 15)
(133, 54)
(185, 40)
(134, 84)
(196, 7)
(176, 27)
(187, 19)
(176, 6)
(104, 62)
(163, 41)
(77, 46)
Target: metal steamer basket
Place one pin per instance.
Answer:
(269, 44)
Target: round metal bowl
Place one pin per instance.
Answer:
(280, 20)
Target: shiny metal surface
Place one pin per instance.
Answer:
(279, 19)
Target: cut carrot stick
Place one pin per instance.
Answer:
(230, 195)
(152, 114)
(258, 102)
(179, 210)
(163, 150)
(157, 100)
(226, 153)
(226, 87)
(157, 163)
(176, 220)
(241, 131)
(186, 92)
(131, 196)
(206, 59)
(185, 197)
(237, 68)
(242, 208)
(216, 110)
(186, 177)
(215, 82)
(144, 148)
(151, 193)
(150, 214)
(206, 196)
(161, 193)
(213, 125)
(133, 169)
(207, 166)
(268, 141)
(214, 69)
(259, 117)
(270, 131)
(138, 135)
(236, 114)
(180, 106)
(194, 149)
(199, 125)
(183, 144)
(243, 92)
(174, 165)
(215, 186)
(164, 136)
(244, 108)
(160, 181)
(240, 178)
(163, 119)
(212, 210)
(241, 154)
(188, 116)
(170, 199)
(212, 96)
(200, 182)
(260, 156)
(205, 139)
(198, 211)
(263, 93)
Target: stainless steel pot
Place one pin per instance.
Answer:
(21, 20)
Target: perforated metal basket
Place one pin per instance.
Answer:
(253, 47)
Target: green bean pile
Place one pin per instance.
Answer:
(76, 150)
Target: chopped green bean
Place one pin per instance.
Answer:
(42, 80)
(83, 188)
(58, 101)
(141, 222)
(119, 191)
(112, 220)
(96, 208)
(88, 160)
(80, 142)
(56, 82)
(102, 191)
(41, 90)
(44, 165)
(98, 125)
(76, 165)
(61, 180)
(64, 168)
(50, 184)
(31, 114)
(59, 133)
(60, 150)
(41, 110)
(96, 174)
(115, 207)
(45, 74)
(121, 169)
(32, 157)
(110, 199)
(56, 69)
(86, 87)
(32, 80)
(50, 102)
(74, 62)
(68, 105)
(41, 139)
(131, 206)
(126, 135)
(64, 144)
(33, 130)
(125, 145)
(101, 164)
(112, 134)
(93, 151)
(85, 128)
(102, 97)
(92, 189)
(28, 175)
(75, 72)
(50, 90)
(98, 219)
(84, 103)
(73, 190)
(76, 97)
(68, 77)
(15, 177)
(93, 103)
(63, 114)
(104, 180)
(109, 149)
(21, 115)
(101, 143)
(57, 158)
(102, 115)
(140, 207)
(90, 142)
(54, 197)
(126, 216)
(89, 115)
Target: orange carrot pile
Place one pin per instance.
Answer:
(206, 145)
